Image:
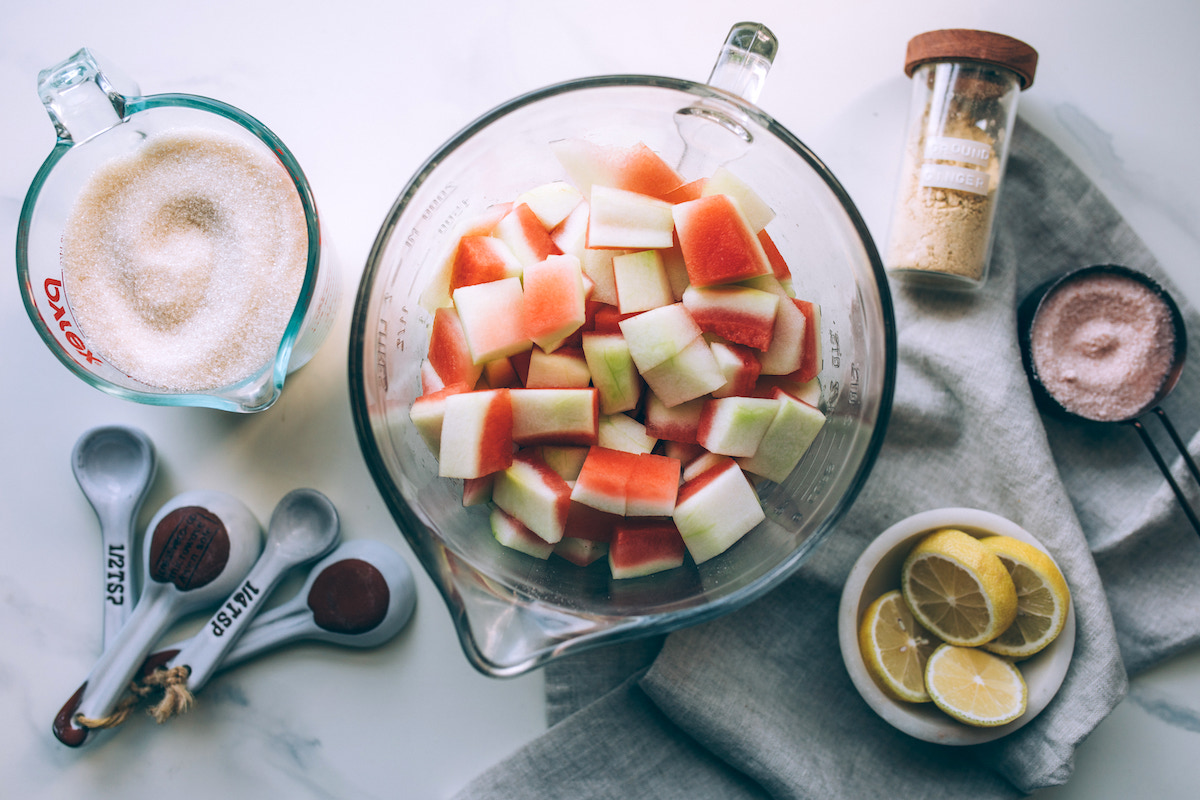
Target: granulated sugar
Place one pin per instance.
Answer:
(182, 262)
(1103, 345)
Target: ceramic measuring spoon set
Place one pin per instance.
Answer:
(206, 550)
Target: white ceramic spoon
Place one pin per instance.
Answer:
(115, 466)
(303, 527)
(198, 548)
(360, 595)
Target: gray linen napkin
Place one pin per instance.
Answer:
(758, 703)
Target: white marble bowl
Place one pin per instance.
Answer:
(878, 570)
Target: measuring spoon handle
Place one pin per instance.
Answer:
(110, 677)
(116, 526)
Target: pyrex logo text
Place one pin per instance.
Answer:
(54, 296)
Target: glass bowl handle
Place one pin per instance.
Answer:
(744, 60)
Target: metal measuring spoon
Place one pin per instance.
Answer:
(360, 595)
(303, 527)
(1027, 315)
(115, 466)
(198, 549)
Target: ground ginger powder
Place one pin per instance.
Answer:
(937, 229)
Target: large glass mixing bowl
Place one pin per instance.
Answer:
(514, 612)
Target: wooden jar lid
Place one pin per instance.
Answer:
(960, 44)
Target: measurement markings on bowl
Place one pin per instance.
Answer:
(415, 232)
(455, 213)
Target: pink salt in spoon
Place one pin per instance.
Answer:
(1033, 310)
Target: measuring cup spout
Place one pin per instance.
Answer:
(82, 99)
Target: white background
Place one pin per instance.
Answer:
(362, 93)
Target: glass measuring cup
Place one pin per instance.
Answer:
(99, 117)
(1058, 404)
(513, 613)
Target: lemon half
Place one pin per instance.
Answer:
(958, 588)
(1043, 598)
(895, 648)
(974, 686)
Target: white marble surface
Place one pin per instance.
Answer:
(362, 92)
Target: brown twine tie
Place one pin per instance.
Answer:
(166, 689)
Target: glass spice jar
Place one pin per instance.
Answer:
(964, 102)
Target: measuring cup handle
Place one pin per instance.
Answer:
(1162, 464)
(81, 98)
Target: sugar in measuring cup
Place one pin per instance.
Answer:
(169, 250)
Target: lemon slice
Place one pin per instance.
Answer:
(974, 686)
(958, 588)
(1042, 598)
(895, 648)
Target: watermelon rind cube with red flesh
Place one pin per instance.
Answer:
(623, 432)
(437, 291)
(476, 434)
(492, 319)
(811, 361)
(585, 522)
(555, 416)
(525, 235)
(551, 202)
(634, 168)
(613, 372)
(565, 368)
(642, 282)
(735, 426)
(627, 220)
(570, 235)
(482, 259)
(510, 532)
(718, 244)
(653, 487)
(741, 368)
(677, 423)
(688, 191)
(807, 392)
(598, 266)
(779, 265)
(692, 373)
(553, 300)
(533, 493)
(478, 491)
(715, 510)
(738, 314)
(500, 373)
(566, 460)
(430, 380)
(702, 463)
(428, 411)
(756, 211)
(676, 270)
(659, 334)
(787, 439)
(643, 547)
(601, 482)
(786, 353)
(449, 355)
(580, 552)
